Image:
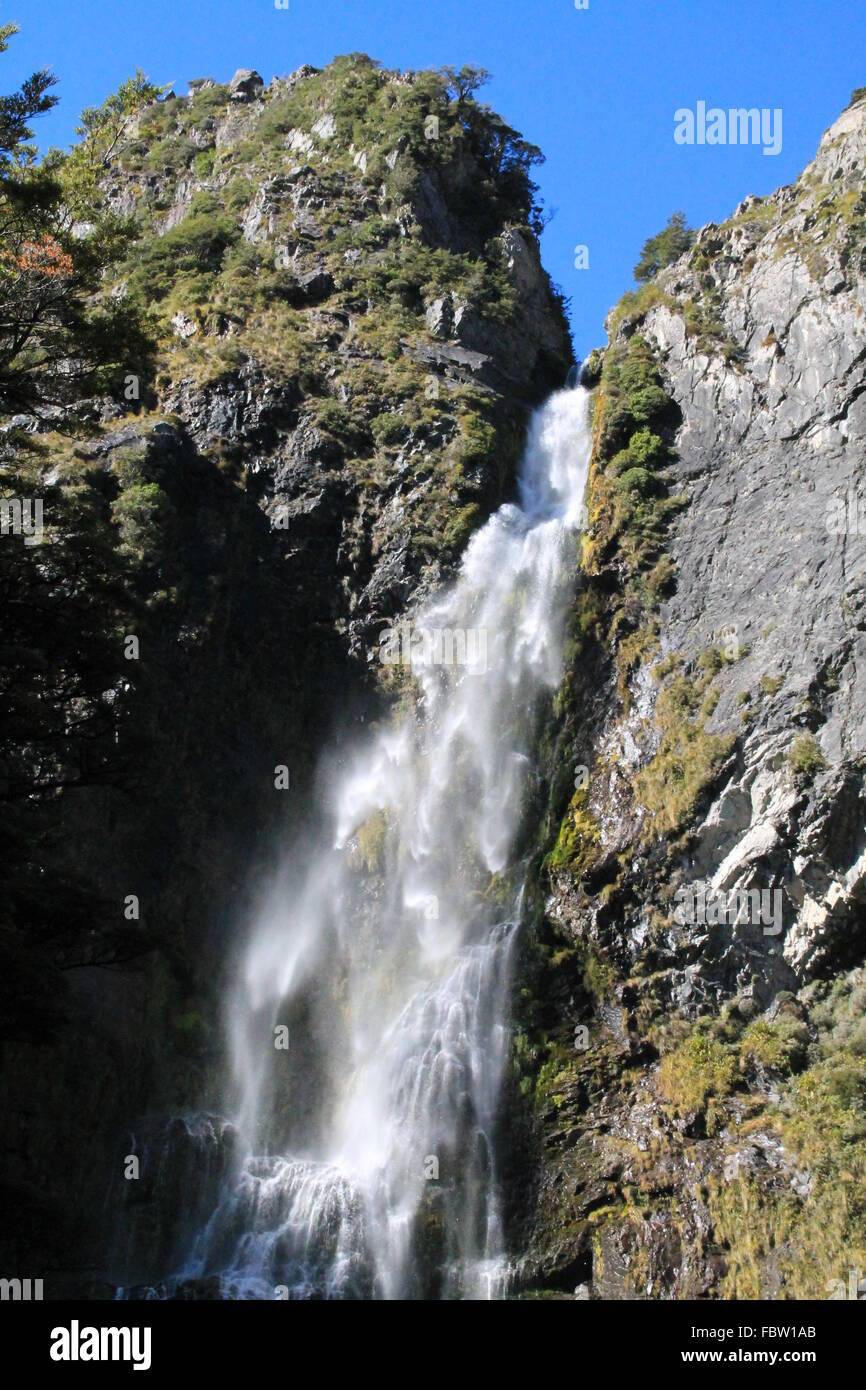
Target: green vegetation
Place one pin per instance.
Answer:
(815, 1237)
(628, 573)
(628, 503)
(578, 835)
(664, 248)
(141, 513)
(805, 758)
(703, 317)
(546, 1068)
(462, 526)
(219, 304)
(700, 1068)
(60, 336)
(780, 1046)
(672, 785)
(193, 252)
(389, 428)
(771, 685)
(634, 306)
(779, 1239)
(370, 841)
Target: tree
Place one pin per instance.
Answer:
(664, 248)
(101, 132)
(64, 682)
(504, 156)
(16, 113)
(462, 86)
(59, 338)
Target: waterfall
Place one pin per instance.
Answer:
(370, 1166)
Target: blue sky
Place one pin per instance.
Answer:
(596, 88)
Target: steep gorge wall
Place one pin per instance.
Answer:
(705, 1135)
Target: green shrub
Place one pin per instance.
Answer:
(139, 513)
(712, 660)
(204, 162)
(578, 836)
(389, 429)
(638, 481)
(780, 1046)
(196, 246)
(771, 685)
(634, 306)
(809, 1243)
(460, 528)
(699, 1068)
(647, 449)
(805, 758)
(688, 760)
(370, 842)
(239, 193)
(172, 154)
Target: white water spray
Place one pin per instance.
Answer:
(375, 1173)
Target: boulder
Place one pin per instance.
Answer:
(246, 85)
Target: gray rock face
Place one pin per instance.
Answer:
(246, 85)
(771, 552)
(474, 341)
(440, 317)
(760, 335)
(316, 284)
(184, 1162)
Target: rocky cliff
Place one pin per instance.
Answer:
(697, 1054)
(347, 323)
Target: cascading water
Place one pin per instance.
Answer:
(388, 937)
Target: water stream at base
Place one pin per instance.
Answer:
(387, 940)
